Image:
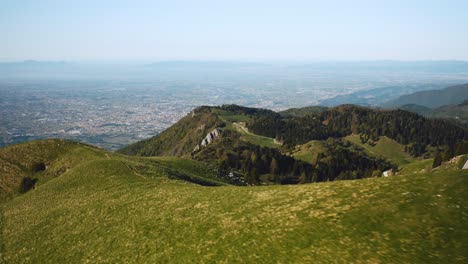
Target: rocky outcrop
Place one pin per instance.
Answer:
(208, 139)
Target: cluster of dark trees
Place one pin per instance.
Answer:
(340, 161)
(38, 166)
(344, 161)
(250, 111)
(254, 161)
(450, 152)
(405, 127)
(27, 183)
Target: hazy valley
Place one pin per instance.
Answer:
(233, 131)
(128, 103)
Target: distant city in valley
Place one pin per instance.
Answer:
(233, 131)
(113, 106)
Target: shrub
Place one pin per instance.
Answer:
(27, 184)
(376, 173)
(37, 167)
(437, 160)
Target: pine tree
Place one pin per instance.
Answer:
(437, 160)
(274, 168)
(446, 155)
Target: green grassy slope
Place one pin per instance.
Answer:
(386, 148)
(303, 111)
(433, 98)
(108, 208)
(308, 152)
(236, 122)
(60, 156)
(16, 161)
(253, 138)
(185, 169)
(179, 139)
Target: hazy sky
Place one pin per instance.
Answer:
(233, 30)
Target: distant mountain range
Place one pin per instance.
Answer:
(439, 102)
(450, 103)
(433, 98)
(379, 96)
(458, 112)
(199, 65)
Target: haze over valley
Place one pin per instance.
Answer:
(239, 131)
(115, 105)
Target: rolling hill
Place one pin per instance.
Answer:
(410, 129)
(432, 98)
(261, 146)
(179, 139)
(91, 205)
(384, 147)
(418, 109)
(457, 112)
(303, 111)
(165, 200)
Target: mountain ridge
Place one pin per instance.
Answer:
(433, 98)
(91, 211)
(93, 205)
(245, 154)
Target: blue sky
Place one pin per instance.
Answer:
(233, 30)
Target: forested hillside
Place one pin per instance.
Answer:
(92, 205)
(433, 98)
(406, 128)
(179, 139)
(457, 113)
(256, 146)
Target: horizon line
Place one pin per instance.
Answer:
(138, 61)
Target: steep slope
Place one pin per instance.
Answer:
(258, 146)
(180, 139)
(433, 98)
(404, 127)
(418, 109)
(53, 157)
(303, 111)
(103, 211)
(57, 157)
(384, 147)
(456, 112)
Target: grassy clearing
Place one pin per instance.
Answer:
(253, 138)
(230, 117)
(101, 210)
(308, 152)
(236, 122)
(188, 170)
(386, 148)
(417, 166)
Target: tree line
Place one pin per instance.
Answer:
(339, 161)
(406, 128)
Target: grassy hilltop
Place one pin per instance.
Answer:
(96, 206)
(173, 202)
